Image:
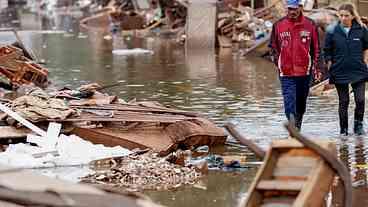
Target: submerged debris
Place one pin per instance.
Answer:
(144, 172)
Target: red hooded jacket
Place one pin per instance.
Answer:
(295, 46)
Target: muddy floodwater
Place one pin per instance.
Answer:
(223, 85)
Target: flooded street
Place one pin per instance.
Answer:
(224, 86)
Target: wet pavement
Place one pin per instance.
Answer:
(223, 85)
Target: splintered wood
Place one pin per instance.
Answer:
(162, 129)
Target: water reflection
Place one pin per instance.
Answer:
(217, 189)
(353, 152)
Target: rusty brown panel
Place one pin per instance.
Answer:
(97, 137)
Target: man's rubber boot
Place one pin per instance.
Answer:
(358, 128)
(292, 122)
(298, 121)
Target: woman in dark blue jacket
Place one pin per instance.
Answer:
(346, 44)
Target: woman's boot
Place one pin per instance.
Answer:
(344, 126)
(358, 128)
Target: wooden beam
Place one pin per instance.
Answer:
(247, 142)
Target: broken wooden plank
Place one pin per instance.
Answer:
(121, 119)
(154, 139)
(162, 139)
(23, 121)
(257, 150)
(135, 108)
(8, 132)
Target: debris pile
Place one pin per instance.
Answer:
(144, 172)
(323, 17)
(127, 20)
(104, 119)
(243, 26)
(174, 13)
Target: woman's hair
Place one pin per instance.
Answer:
(352, 10)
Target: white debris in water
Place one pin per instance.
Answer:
(135, 51)
(69, 34)
(107, 37)
(82, 36)
(69, 151)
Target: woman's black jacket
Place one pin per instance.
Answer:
(346, 51)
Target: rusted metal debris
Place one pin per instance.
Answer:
(19, 69)
(143, 172)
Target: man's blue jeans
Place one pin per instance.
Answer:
(295, 91)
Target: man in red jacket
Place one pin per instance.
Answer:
(295, 49)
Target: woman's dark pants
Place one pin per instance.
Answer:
(295, 91)
(359, 97)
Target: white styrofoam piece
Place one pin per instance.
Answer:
(48, 142)
(135, 51)
(52, 133)
(72, 150)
